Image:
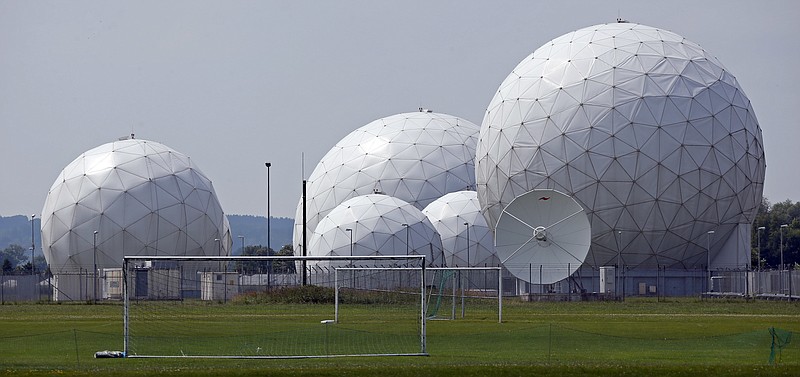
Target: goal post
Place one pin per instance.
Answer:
(258, 307)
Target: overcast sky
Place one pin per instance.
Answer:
(234, 84)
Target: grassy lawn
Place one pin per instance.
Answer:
(679, 337)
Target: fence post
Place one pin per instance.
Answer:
(746, 284)
(453, 312)
(658, 283)
(500, 295)
(126, 301)
(336, 294)
(80, 283)
(461, 283)
(569, 283)
(530, 278)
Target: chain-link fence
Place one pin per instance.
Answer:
(19, 288)
(586, 283)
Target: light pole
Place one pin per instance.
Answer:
(618, 288)
(349, 230)
(467, 225)
(269, 249)
(758, 279)
(33, 246)
(708, 257)
(758, 236)
(782, 226)
(780, 272)
(94, 257)
(219, 252)
(242, 264)
(406, 225)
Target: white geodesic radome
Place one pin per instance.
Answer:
(416, 157)
(141, 197)
(448, 215)
(376, 223)
(648, 131)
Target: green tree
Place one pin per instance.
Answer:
(771, 217)
(15, 254)
(254, 267)
(24, 268)
(7, 267)
(285, 266)
(40, 262)
(263, 267)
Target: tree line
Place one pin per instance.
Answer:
(263, 267)
(16, 260)
(771, 217)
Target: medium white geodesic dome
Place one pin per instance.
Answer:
(416, 157)
(377, 228)
(448, 215)
(141, 197)
(645, 129)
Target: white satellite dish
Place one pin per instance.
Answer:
(543, 236)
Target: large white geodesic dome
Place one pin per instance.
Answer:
(380, 225)
(416, 157)
(467, 245)
(647, 130)
(141, 197)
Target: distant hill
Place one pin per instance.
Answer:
(254, 230)
(17, 230)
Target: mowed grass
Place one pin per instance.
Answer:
(679, 337)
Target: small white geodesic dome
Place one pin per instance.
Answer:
(142, 198)
(377, 228)
(448, 215)
(648, 131)
(416, 157)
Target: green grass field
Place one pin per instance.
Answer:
(685, 337)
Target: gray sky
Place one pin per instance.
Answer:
(234, 83)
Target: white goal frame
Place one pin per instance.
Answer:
(416, 259)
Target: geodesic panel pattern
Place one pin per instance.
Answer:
(644, 128)
(377, 228)
(141, 197)
(416, 157)
(468, 245)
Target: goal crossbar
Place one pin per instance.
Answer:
(419, 258)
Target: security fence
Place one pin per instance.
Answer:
(586, 283)
(20, 288)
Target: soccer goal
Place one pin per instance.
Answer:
(274, 307)
(453, 292)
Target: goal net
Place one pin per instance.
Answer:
(274, 307)
(461, 292)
